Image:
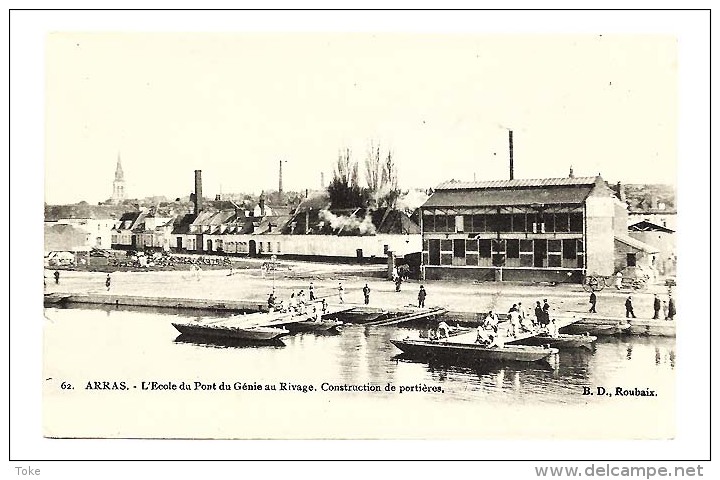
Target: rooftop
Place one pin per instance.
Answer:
(518, 183)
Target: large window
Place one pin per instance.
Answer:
(484, 248)
(518, 222)
(428, 223)
(498, 253)
(526, 253)
(562, 222)
(513, 248)
(471, 252)
(576, 222)
(570, 249)
(459, 248)
(478, 223)
(554, 253)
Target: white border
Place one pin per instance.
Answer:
(28, 31)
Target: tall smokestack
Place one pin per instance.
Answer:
(512, 167)
(198, 191)
(280, 181)
(322, 179)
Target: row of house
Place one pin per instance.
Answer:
(554, 229)
(299, 234)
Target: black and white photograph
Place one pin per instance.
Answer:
(363, 234)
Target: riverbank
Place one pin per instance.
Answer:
(253, 286)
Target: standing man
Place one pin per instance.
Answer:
(671, 308)
(538, 313)
(366, 294)
(593, 301)
(312, 292)
(107, 282)
(421, 297)
(341, 292)
(398, 282)
(57, 277)
(629, 308)
(656, 307)
(546, 313)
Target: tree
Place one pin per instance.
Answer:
(381, 177)
(344, 190)
(373, 168)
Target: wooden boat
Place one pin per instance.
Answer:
(598, 327)
(323, 325)
(469, 352)
(230, 331)
(645, 326)
(54, 299)
(563, 340)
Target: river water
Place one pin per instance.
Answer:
(138, 345)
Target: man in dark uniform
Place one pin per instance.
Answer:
(421, 297)
(671, 308)
(593, 301)
(538, 313)
(656, 307)
(366, 293)
(629, 308)
(57, 277)
(546, 313)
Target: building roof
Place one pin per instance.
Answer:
(272, 224)
(516, 192)
(82, 210)
(477, 197)
(181, 223)
(645, 226)
(387, 220)
(317, 201)
(636, 244)
(517, 183)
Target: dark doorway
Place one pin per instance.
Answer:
(434, 252)
(540, 253)
(179, 242)
(631, 260)
(209, 246)
(253, 248)
(459, 248)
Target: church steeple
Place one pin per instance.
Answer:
(119, 176)
(118, 194)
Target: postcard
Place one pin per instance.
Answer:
(361, 235)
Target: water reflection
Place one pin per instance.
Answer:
(360, 354)
(218, 342)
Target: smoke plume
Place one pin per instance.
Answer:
(347, 225)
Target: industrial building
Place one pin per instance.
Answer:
(553, 229)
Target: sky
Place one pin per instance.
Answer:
(234, 105)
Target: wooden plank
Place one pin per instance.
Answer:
(409, 317)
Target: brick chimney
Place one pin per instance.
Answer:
(197, 199)
(512, 167)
